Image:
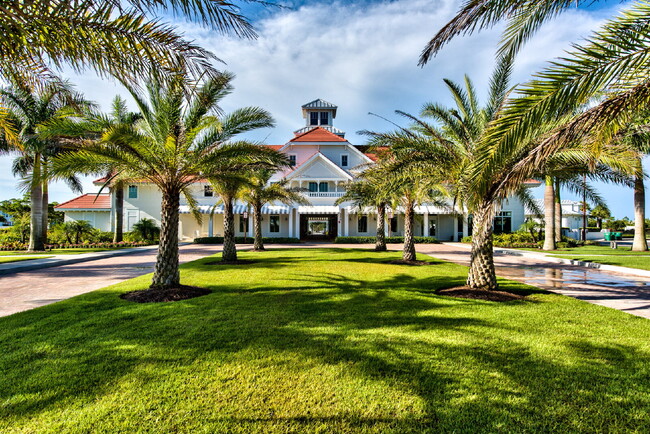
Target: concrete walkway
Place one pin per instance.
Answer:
(28, 289)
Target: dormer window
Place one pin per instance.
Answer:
(313, 118)
(324, 118)
(344, 160)
(207, 191)
(292, 160)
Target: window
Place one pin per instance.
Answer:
(393, 224)
(274, 225)
(133, 191)
(503, 222)
(344, 160)
(324, 118)
(243, 224)
(433, 223)
(323, 187)
(313, 118)
(292, 160)
(362, 224)
(207, 191)
(313, 187)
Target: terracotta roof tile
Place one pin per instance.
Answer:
(88, 201)
(318, 134)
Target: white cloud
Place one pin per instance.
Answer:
(362, 58)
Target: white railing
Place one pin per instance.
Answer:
(324, 194)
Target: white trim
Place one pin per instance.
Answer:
(311, 160)
(347, 156)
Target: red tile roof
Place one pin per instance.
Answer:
(87, 201)
(275, 147)
(318, 134)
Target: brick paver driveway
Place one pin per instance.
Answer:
(29, 289)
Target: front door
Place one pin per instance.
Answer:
(322, 227)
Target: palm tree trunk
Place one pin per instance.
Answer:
(549, 215)
(380, 243)
(482, 274)
(118, 191)
(640, 244)
(166, 273)
(46, 202)
(409, 245)
(229, 246)
(36, 242)
(558, 213)
(258, 245)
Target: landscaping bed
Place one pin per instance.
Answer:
(324, 340)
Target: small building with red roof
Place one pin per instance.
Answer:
(92, 207)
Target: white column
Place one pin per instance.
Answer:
(210, 226)
(297, 224)
(455, 238)
(250, 225)
(426, 224)
(290, 222)
(465, 226)
(340, 219)
(346, 222)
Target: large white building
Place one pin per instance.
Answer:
(322, 162)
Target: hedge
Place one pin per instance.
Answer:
(389, 240)
(249, 240)
(123, 244)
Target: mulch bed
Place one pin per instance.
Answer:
(412, 263)
(237, 262)
(181, 292)
(479, 294)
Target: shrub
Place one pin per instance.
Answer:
(249, 240)
(389, 240)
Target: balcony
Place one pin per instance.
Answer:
(324, 193)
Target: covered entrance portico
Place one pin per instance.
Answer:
(318, 227)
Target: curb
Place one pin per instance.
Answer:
(38, 264)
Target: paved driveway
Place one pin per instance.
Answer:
(29, 289)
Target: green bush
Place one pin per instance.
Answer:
(249, 240)
(389, 240)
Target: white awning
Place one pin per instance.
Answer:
(275, 209)
(323, 209)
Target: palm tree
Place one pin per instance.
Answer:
(181, 139)
(367, 191)
(147, 229)
(406, 179)
(259, 192)
(31, 111)
(613, 60)
(229, 187)
(124, 39)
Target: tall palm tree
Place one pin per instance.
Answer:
(229, 187)
(259, 192)
(369, 191)
(31, 111)
(181, 139)
(408, 180)
(614, 60)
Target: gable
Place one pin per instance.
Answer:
(319, 167)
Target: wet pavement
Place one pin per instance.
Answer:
(628, 293)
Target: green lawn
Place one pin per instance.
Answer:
(74, 251)
(5, 259)
(323, 341)
(622, 256)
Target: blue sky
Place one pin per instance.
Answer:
(361, 56)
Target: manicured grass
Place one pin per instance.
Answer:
(323, 341)
(599, 250)
(6, 259)
(74, 251)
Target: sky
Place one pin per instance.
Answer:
(361, 56)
